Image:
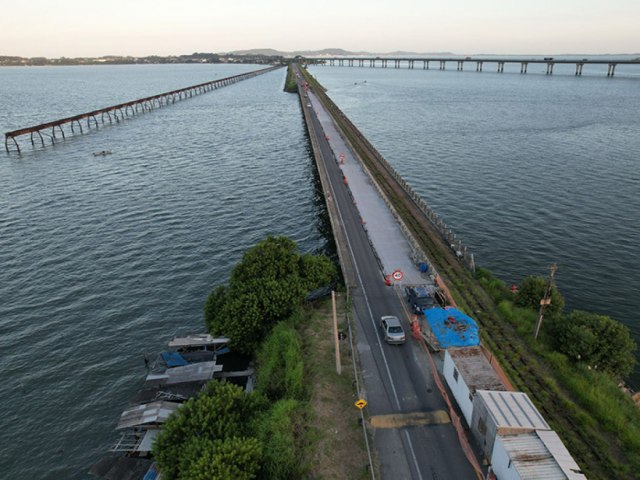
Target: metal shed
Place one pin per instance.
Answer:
(467, 370)
(532, 456)
(503, 413)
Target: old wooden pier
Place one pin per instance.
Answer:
(118, 112)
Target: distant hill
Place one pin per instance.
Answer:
(330, 52)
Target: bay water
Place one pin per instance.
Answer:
(105, 258)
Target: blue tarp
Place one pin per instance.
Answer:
(173, 359)
(452, 328)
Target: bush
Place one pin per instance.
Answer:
(282, 433)
(532, 289)
(280, 366)
(597, 340)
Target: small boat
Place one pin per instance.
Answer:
(102, 153)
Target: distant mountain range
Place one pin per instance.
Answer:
(328, 52)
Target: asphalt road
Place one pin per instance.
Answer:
(397, 379)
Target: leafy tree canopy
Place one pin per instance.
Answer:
(531, 290)
(265, 287)
(219, 412)
(235, 458)
(597, 340)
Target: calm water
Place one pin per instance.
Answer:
(104, 258)
(527, 169)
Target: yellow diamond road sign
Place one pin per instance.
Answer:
(361, 404)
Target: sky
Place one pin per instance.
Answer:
(74, 28)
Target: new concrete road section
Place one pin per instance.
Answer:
(413, 437)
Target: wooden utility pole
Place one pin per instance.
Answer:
(335, 333)
(546, 300)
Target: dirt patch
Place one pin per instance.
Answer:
(338, 446)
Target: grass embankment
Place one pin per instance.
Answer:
(338, 449)
(290, 84)
(596, 422)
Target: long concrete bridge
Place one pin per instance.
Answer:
(116, 113)
(473, 63)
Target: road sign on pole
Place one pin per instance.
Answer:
(361, 403)
(397, 275)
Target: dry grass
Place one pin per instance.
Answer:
(338, 447)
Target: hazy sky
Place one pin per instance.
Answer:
(143, 27)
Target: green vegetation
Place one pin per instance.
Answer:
(226, 433)
(211, 436)
(532, 289)
(282, 432)
(599, 424)
(290, 84)
(280, 365)
(268, 284)
(596, 341)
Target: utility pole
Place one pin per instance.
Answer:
(546, 300)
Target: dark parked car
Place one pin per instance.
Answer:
(420, 298)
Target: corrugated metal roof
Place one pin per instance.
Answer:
(512, 410)
(475, 369)
(560, 453)
(197, 340)
(533, 460)
(147, 414)
(195, 372)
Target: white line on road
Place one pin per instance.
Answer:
(375, 329)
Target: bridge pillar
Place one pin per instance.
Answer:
(579, 68)
(479, 66)
(372, 63)
(411, 63)
(523, 67)
(350, 62)
(341, 62)
(611, 70)
(549, 68)
(332, 62)
(425, 64)
(459, 65)
(397, 63)
(360, 63)
(500, 67)
(442, 64)
(384, 63)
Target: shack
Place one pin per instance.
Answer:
(467, 370)
(531, 456)
(503, 413)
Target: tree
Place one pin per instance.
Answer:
(532, 289)
(596, 340)
(221, 411)
(235, 458)
(265, 287)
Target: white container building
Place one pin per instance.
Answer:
(467, 370)
(533, 456)
(503, 413)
